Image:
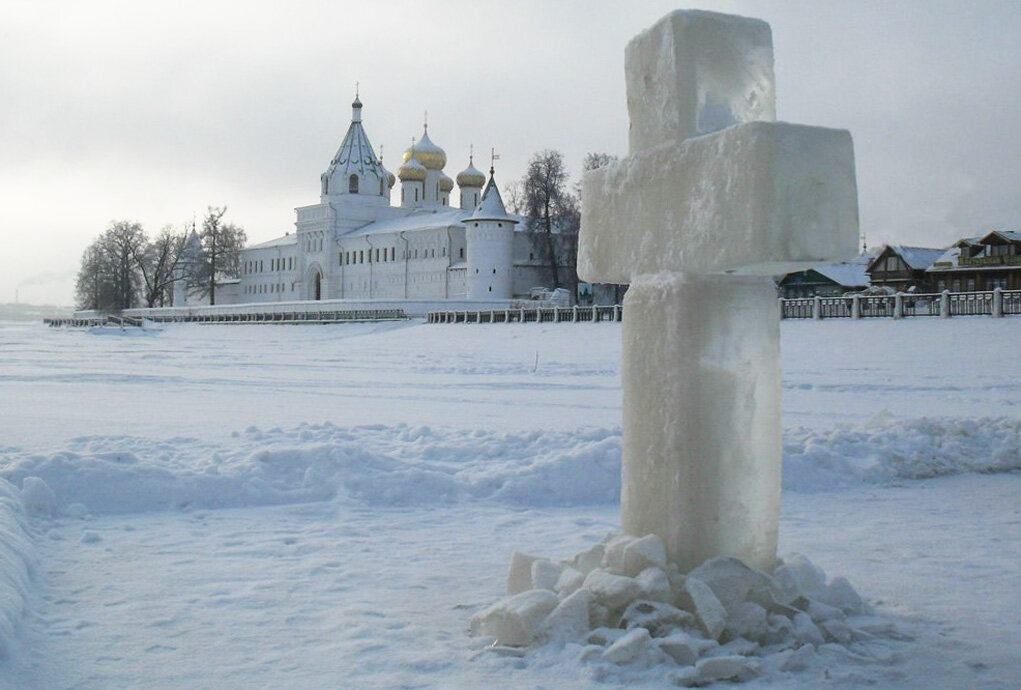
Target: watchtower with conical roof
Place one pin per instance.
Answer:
(489, 244)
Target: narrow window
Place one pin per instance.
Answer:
(494, 271)
(402, 195)
(382, 188)
(416, 193)
(352, 184)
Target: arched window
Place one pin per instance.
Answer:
(352, 184)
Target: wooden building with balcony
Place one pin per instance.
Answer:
(979, 263)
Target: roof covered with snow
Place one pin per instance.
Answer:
(917, 258)
(355, 155)
(421, 219)
(1010, 235)
(284, 241)
(847, 273)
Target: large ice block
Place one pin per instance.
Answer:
(761, 198)
(702, 441)
(696, 72)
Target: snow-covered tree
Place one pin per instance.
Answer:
(157, 264)
(550, 208)
(221, 252)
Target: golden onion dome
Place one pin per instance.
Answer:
(471, 176)
(427, 153)
(446, 184)
(411, 171)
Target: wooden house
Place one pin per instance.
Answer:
(980, 263)
(827, 280)
(903, 269)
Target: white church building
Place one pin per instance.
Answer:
(354, 244)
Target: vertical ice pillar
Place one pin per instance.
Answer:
(701, 375)
(709, 204)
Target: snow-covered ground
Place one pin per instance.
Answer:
(305, 507)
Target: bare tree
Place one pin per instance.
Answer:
(514, 197)
(122, 242)
(549, 207)
(221, 252)
(95, 284)
(158, 262)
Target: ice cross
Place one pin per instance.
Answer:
(714, 199)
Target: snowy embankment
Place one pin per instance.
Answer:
(403, 465)
(17, 553)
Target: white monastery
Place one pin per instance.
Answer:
(354, 244)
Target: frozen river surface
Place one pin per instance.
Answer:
(313, 507)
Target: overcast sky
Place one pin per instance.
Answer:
(152, 111)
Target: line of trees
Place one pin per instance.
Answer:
(553, 208)
(125, 268)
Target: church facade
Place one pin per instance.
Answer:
(355, 244)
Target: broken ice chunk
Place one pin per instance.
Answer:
(519, 575)
(631, 645)
(544, 574)
(570, 619)
(643, 553)
(515, 621)
(708, 609)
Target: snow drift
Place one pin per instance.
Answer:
(404, 465)
(17, 555)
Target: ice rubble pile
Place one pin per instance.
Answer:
(621, 602)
